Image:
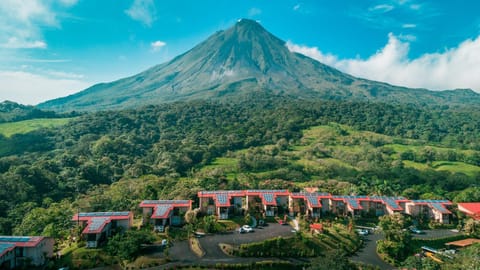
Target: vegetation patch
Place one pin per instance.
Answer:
(22, 127)
(300, 245)
(196, 247)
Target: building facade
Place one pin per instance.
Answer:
(227, 203)
(161, 213)
(24, 251)
(98, 226)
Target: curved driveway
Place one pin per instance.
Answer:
(368, 253)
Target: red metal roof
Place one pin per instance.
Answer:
(222, 197)
(463, 243)
(471, 209)
(96, 221)
(22, 241)
(162, 208)
(176, 203)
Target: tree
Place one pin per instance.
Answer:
(419, 263)
(209, 223)
(331, 260)
(472, 227)
(126, 246)
(397, 239)
(191, 216)
(471, 194)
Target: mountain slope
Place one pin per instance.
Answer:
(244, 60)
(11, 112)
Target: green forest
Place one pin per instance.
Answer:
(111, 160)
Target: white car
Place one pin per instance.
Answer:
(362, 232)
(246, 228)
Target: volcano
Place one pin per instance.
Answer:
(245, 60)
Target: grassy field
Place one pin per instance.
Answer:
(339, 150)
(22, 127)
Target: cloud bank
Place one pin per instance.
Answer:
(453, 68)
(29, 88)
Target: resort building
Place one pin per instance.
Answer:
(268, 202)
(98, 226)
(383, 205)
(222, 203)
(161, 213)
(349, 205)
(310, 204)
(432, 209)
(227, 203)
(471, 209)
(24, 251)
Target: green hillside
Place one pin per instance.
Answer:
(22, 127)
(339, 152)
(111, 160)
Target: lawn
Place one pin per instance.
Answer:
(22, 127)
(457, 167)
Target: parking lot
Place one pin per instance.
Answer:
(210, 242)
(180, 251)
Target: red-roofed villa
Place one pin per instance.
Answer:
(471, 209)
(98, 226)
(165, 212)
(24, 251)
(432, 209)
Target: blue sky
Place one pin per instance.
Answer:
(52, 48)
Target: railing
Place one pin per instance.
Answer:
(91, 244)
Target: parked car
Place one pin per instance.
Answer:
(362, 232)
(246, 228)
(416, 230)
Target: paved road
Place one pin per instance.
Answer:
(368, 254)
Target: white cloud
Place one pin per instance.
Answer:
(409, 25)
(157, 45)
(21, 22)
(143, 11)
(454, 68)
(415, 6)
(15, 43)
(296, 7)
(254, 12)
(313, 52)
(29, 88)
(383, 8)
(64, 75)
